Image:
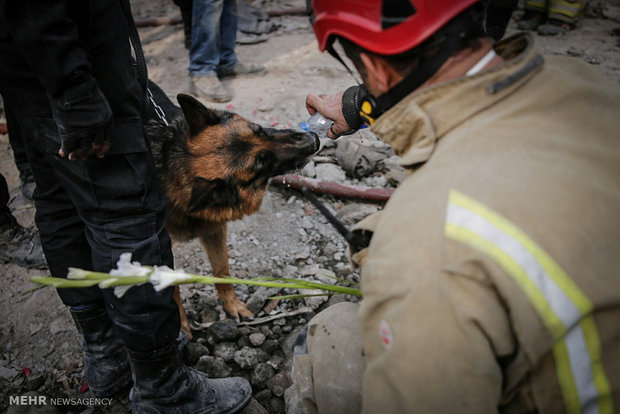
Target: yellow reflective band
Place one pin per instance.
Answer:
(559, 302)
(471, 238)
(566, 8)
(535, 4)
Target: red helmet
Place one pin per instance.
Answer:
(385, 27)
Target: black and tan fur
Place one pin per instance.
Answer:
(214, 167)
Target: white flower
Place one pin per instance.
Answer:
(120, 291)
(125, 267)
(163, 276)
(75, 273)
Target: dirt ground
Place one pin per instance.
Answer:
(38, 346)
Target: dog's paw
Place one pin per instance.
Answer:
(238, 310)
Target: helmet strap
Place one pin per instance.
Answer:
(370, 108)
(330, 49)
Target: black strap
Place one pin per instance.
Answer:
(330, 49)
(137, 46)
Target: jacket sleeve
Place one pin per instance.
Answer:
(49, 40)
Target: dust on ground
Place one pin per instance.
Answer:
(39, 350)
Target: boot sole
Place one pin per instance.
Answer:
(198, 94)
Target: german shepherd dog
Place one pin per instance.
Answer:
(214, 167)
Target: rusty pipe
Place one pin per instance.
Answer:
(335, 189)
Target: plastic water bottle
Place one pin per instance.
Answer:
(318, 124)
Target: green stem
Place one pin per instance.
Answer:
(105, 280)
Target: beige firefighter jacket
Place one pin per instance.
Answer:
(492, 281)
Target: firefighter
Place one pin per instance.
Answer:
(491, 280)
(551, 17)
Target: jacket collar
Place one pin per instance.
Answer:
(413, 126)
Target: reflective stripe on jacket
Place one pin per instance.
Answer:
(491, 282)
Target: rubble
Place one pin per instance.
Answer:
(286, 238)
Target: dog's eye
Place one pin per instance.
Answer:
(264, 161)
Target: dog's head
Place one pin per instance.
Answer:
(233, 158)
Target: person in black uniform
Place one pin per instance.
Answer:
(18, 244)
(68, 76)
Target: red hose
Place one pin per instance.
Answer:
(287, 12)
(335, 189)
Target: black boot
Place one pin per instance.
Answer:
(18, 244)
(106, 365)
(163, 385)
(28, 185)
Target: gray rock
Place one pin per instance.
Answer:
(394, 172)
(59, 325)
(8, 373)
(378, 181)
(279, 382)
(225, 350)
(314, 302)
(214, 367)
(330, 172)
(276, 362)
(34, 381)
(265, 330)
(276, 405)
(254, 407)
(243, 341)
(193, 352)
(248, 357)
(264, 396)
(350, 214)
(309, 170)
(280, 322)
(256, 302)
(224, 330)
(270, 346)
(261, 374)
(257, 339)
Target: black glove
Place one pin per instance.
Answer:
(83, 117)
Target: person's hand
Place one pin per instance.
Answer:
(92, 145)
(330, 106)
(84, 120)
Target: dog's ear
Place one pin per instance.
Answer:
(212, 193)
(197, 115)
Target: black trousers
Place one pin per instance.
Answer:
(4, 193)
(89, 212)
(17, 145)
